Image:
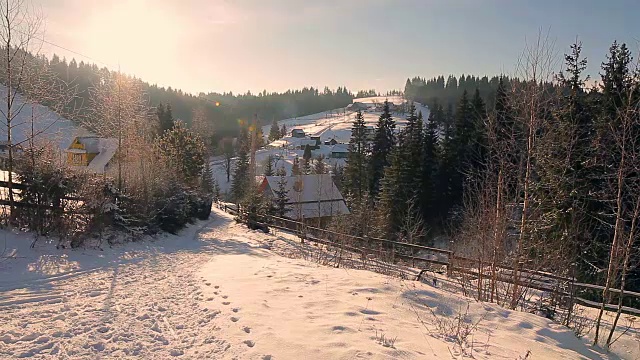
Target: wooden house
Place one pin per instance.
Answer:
(309, 196)
(298, 133)
(91, 153)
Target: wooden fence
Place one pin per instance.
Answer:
(434, 259)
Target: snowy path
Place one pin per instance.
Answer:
(220, 291)
(144, 304)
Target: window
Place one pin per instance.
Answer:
(77, 159)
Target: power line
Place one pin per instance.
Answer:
(64, 48)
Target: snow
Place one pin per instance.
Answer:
(47, 124)
(220, 291)
(332, 124)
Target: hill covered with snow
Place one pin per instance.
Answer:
(220, 291)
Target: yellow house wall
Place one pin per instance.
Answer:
(85, 158)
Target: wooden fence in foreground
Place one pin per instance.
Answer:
(440, 260)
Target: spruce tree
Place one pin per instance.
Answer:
(268, 166)
(283, 131)
(165, 117)
(280, 207)
(295, 168)
(478, 140)
(274, 132)
(430, 160)
(241, 175)
(564, 183)
(383, 143)
(356, 167)
(319, 166)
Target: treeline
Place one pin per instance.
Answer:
(222, 110)
(545, 179)
(277, 106)
(448, 90)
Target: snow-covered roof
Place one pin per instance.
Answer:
(309, 195)
(107, 148)
(342, 148)
(104, 147)
(305, 142)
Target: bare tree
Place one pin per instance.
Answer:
(412, 229)
(226, 147)
(203, 126)
(530, 99)
(626, 204)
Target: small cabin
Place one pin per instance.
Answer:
(91, 152)
(331, 142)
(313, 145)
(308, 196)
(316, 139)
(340, 151)
(298, 133)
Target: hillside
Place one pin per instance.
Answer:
(220, 291)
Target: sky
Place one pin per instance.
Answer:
(240, 45)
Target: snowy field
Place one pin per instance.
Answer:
(220, 291)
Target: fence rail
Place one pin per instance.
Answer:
(370, 246)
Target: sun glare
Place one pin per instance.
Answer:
(136, 34)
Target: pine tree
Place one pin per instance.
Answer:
(306, 157)
(207, 182)
(281, 195)
(184, 150)
(241, 175)
(356, 167)
(274, 132)
(478, 139)
(388, 207)
(319, 167)
(383, 144)
(430, 160)
(564, 183)
(165, 117)
(295, 168)
(268, 166)
(283, 131)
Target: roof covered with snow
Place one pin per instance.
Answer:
(309, 195)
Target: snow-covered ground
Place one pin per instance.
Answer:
(333, 124)
(220, 291)
(47, 124)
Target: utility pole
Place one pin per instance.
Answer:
(254, 143)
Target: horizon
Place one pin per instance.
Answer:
(217, 46)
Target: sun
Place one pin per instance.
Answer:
(133, 33)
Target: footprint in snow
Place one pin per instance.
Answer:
(246, 329)
(249, 343)
(226, 303)
(224, 296)
(234, 319)
(235, 310)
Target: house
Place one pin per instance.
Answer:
(331, 142)
(304, 142)
(340, 151)
(317, 140)
(370, 132)
(357, 106)
(297, 133)
(92, 153)
(309, 196)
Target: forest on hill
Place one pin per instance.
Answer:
(222, 110)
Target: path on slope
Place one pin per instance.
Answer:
(220, 291)
(141, 303)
